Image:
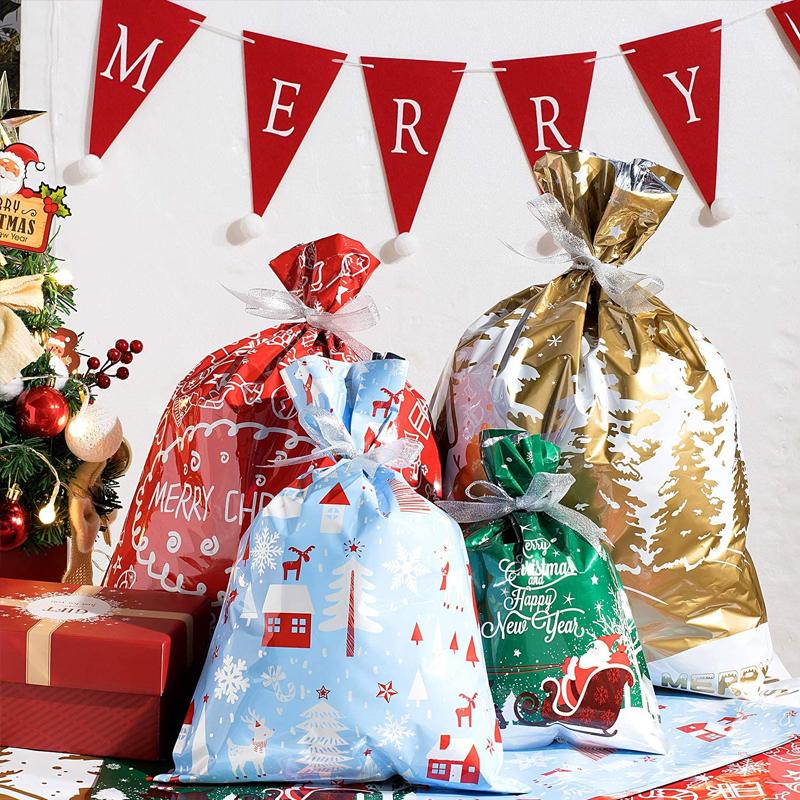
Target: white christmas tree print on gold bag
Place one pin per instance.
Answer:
(642, 407)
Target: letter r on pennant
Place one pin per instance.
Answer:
(409, 127)
(542, 123)
(121, 51)
(686, 91)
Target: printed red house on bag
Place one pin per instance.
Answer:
(287, 616)
(454, 760)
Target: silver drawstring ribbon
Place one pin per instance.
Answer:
(278, 304)
(630, 290)
(543, 495)
(333, 439)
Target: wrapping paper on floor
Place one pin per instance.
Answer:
(203, 481)
(348, 647)
(562, 652)
(642, 407)
(704, 736)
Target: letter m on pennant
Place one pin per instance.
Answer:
(138, 42)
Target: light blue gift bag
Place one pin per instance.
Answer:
(348, 647)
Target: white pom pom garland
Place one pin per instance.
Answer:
(89, 167)
(722, 209)
(94, 434)
(12, 389)
(251, 226)
(406, 244)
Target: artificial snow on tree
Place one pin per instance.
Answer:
(344, 660)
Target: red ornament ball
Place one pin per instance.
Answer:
(123, 373)
(113, 355)
(121, 344)
(93, 362)
(41, 411)
(137, 346)
(103, 381)
(126, 358)
(14, 523)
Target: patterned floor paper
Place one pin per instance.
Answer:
(705, 734)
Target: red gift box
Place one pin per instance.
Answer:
(97, 671)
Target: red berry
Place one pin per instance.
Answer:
(123, 373)
(137, 346)
(126, 358)
(103, 381)
(121, 344)
(113, 355)
(93, 362)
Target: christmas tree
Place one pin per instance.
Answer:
(58, 450)
(322, 755)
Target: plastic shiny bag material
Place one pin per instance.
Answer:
(348, 648)
(204, 481)
(641, 405)
(562, 651)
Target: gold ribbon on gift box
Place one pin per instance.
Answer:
(17, 346)
(38, 646)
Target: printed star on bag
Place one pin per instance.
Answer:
(230, 679)
(405, 568)
(386, 691)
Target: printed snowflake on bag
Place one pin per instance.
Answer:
(230, 679)
(267, 549)
(393, 731)
(406, 567)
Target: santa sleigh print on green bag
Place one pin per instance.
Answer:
(562, 651)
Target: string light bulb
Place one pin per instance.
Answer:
(47, 514)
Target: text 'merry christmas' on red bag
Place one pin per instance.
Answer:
(205, 479)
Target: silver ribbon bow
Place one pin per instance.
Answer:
(630, 290)
(333, 439)
(543, 495)
(357, 315)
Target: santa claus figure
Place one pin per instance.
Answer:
(14, 163)
(604, 652)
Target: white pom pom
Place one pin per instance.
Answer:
(406, 244)
(94, 434)
(722, 209)
(251, 226)
(39, 166)
(12, 389)
(89, 167)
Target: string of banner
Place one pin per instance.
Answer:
(286, 83)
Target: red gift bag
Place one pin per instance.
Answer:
(208, 472)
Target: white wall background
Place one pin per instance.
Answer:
(147, 242)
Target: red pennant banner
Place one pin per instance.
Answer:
(138, 42)
(285, 83)
(680, 72)
(411, 102)
(788, 16)
(547, 99)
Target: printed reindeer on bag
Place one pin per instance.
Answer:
(392, 399)
(294, 565)
(252, 753)
(465, 712)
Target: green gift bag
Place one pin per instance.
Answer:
(562, 651)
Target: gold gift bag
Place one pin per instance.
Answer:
(642, 406)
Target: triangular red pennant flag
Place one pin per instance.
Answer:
(680, 73)
(788, 16)
(137, 43)
(335, 497)
(411, 102)
(286, 83)
(547, 99)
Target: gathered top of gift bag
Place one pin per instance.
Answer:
(615, 206)
(327, 273)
